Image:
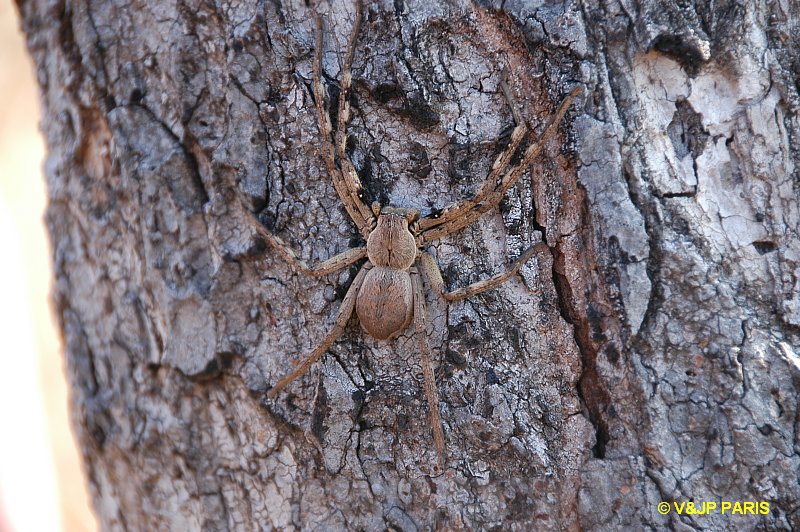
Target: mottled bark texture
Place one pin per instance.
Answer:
(650, 356)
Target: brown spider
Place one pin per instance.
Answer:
(387, 292)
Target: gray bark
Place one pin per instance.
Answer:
(653, 356)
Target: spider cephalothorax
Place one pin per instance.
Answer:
(386, 294)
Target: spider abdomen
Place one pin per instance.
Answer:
(385, 302)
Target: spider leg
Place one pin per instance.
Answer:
(429, 379)
(434, 275)
(454, 210)
(345, 311)
(331, 265)
(345, 181)
(343, 118)
(464, 213)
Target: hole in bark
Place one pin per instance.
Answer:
(682, 49)
(765, 246)
(670, 195)
(766, 430)
(136, 96)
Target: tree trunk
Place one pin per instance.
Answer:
(650, 357)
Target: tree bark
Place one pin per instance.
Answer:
(650, 357)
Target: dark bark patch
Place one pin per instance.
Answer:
(320, 412)
(420, 163)
(765, 246)
(686, 130)
(684, 50)
(386, 92)
(455, 358)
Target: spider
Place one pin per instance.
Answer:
(387, 293)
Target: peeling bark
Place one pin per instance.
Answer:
(651, 357)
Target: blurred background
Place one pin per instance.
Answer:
(42, 486)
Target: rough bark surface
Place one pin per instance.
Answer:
(652, 357)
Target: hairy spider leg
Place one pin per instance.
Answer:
(333, 264)
(462, 214)
(345, 311)
(346, 183)
(429, 379)
(489, 184)
(349, 173)
(432, 272)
